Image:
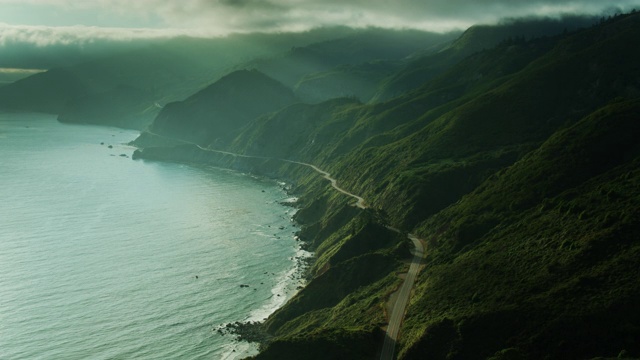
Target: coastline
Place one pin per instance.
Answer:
(288, 284)
(102, 217)
(344, 281)
(286, 288)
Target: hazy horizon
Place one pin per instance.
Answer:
(48, 22)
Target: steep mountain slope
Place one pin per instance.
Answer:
(217, 112)
(477, 38)
(359, 81)
(465, 140)
(352, 65)
(540, 259)
(518, 166)
(288, 133)
(154, 72)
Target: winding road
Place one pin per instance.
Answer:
(397, 314)
(400, 306)
(359, 200)
(334, 183)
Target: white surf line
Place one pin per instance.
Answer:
(400, 306)
(404, 294)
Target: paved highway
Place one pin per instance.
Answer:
(400, 306)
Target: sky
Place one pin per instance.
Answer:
(44, 22)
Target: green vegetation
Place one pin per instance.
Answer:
(545, 249)
(427, 66)
(217, 112)
(349, 56)
(517, 164)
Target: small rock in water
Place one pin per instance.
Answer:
(110, 146)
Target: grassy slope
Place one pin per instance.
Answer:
(554, 83)
(356, 48)
(418, 153)
(463, 141)
(421, 69)
(359, 81)
(339, 314)
(350, 65)
(519, 166)
(541, 257)
(221, 109)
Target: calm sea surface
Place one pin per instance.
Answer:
(99, 253)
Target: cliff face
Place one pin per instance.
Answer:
(518, 167)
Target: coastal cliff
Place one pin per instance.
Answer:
(509, 150)
(518, 167)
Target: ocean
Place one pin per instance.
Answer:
(103, 257)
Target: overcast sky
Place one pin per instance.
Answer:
(43, 21)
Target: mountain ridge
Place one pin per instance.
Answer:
(516, 163)
(513, 142)
(223, 107)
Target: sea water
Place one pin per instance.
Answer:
(103, 257)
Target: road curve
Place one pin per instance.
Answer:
(400, 306)
(359, 200)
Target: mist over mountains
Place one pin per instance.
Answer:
(511, 150)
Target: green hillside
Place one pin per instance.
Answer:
(518, 166)
(220, 110)
(350, 65)
(425, 66)
(540, 258)
(359, 81)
